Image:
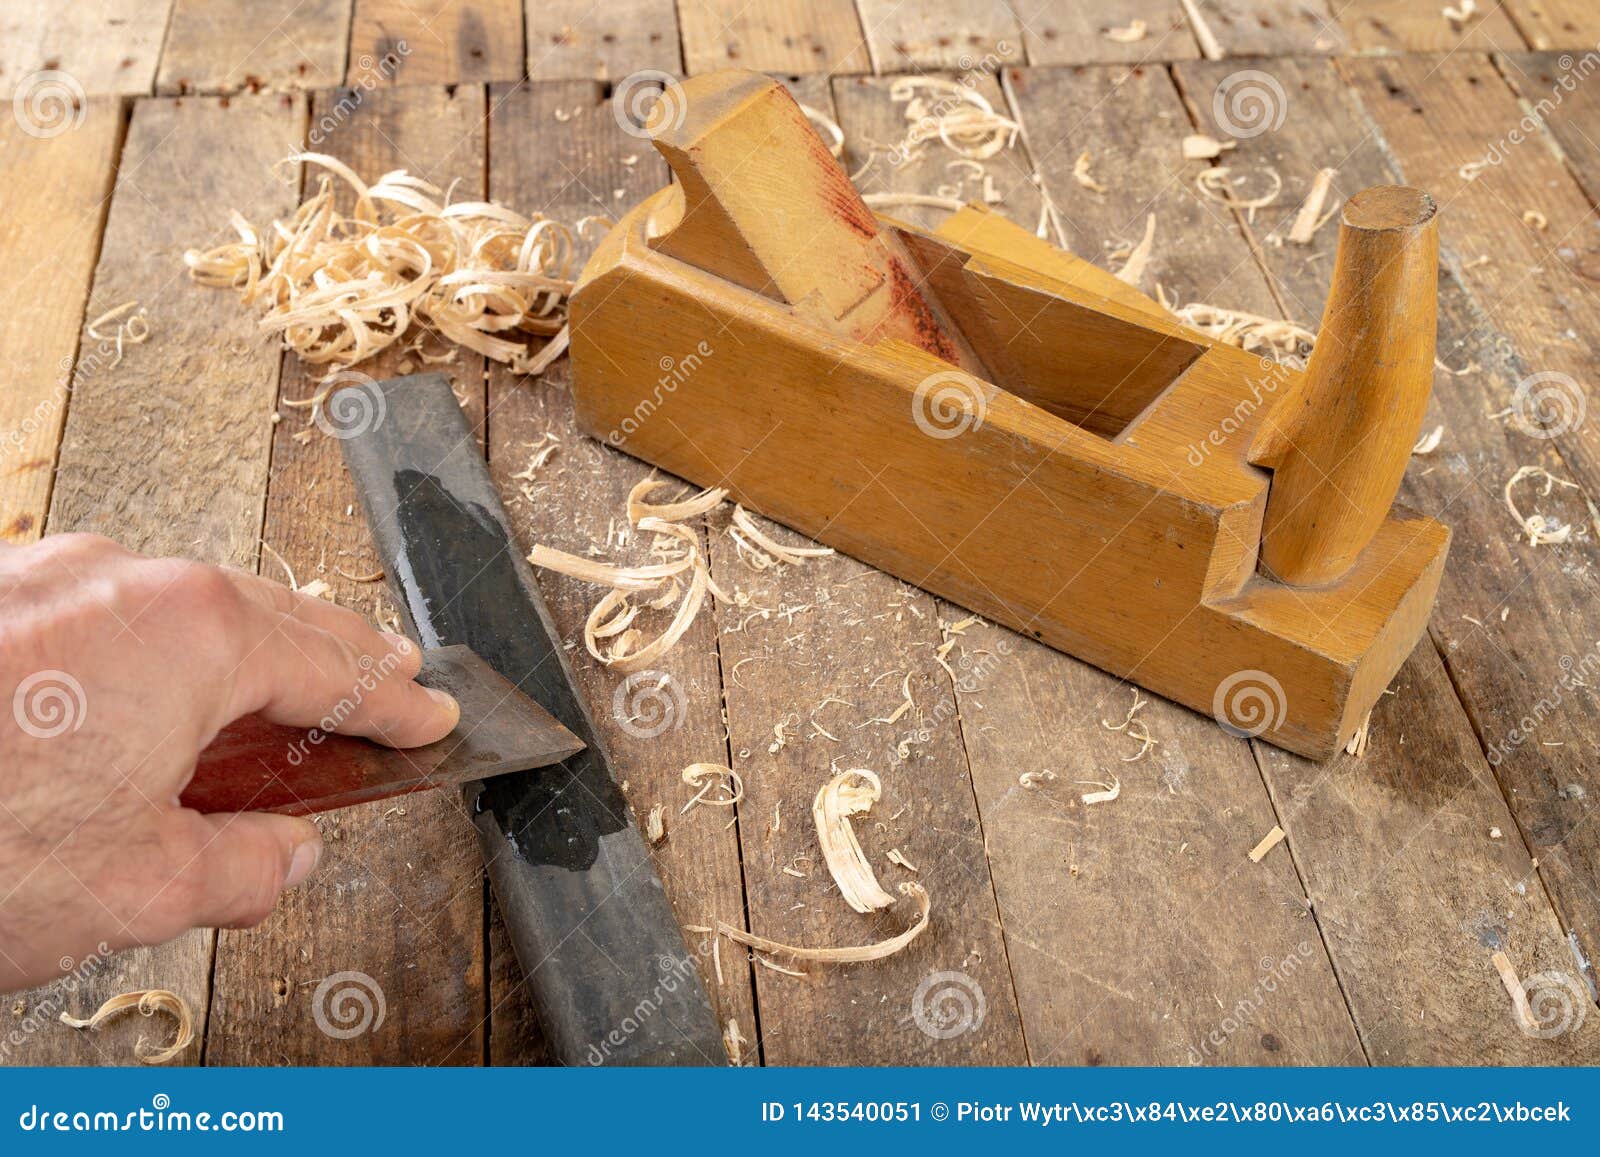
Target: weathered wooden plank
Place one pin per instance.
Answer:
(657, 722)
(798, 36)
(577, 39)
(225, 46)
(1556, 23)
(57, 186)
(962, 35)
(110, 46)
(1458, 484)
(142, 461)
(1556, 89)
(437, 41)
(1265, 27)
(1169, 853)
(1382, 26)
(396, 906)
(1070, 32)
(1531, 289)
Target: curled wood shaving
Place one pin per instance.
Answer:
(953, 113)
(1080, 173)
(1540, 529)
(1310, 217)
(1268, 842)
(830, 128)
(1535, 220)
(338, 288)
(1249, 331)
(853, 955)
(1135, 728)
(1429, 442)
(1107, 792)
(148, 1002)
(1132, 270)
(912, 201)
(896, 856)
(776, 967)
(709, 777)
(1216, 184)
(1132, 34)
(622, 578)
(733, 1040)
(1459, 16)
(788, 554)
(655, 825)
(1358, 742)
(1034, 778)
(847, 794)
(702, 503)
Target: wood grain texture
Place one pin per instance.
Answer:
(1533, 290)
(437, 41)
(1556, 23)
(963, 34)
(398, 895)
(142, 463)
(654, 723)
(1070, 32)
(1382, 26)
(1551, 85)
(787, 36)
(1266, 27)
(225, 46)
(1169, 852)
(106, 46)
(1497, 667)
(57, 189)
(578, 39)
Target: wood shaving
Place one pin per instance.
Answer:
(733, 1040)
(1132, 270)
(1459, 16)
(1310, 217)
(850, 793)
(709, 777)
(753, 534)
(1519, 996)
(1358, 742)
(853, 955)
(133, 328)
(1107, 793)
(831, 131)
(1470, 170)
(1132, 34)
(1034, 778)
(1540, 529)
(953, 113)
(1210, 46)
(1216, 184)
(1429, 442)
(1080, 173)
(340, 288)
(1135, 728)
(148, 1002)
(318, 589)
(1199, 147)
(776, 967)
(638, 509)
(912, 201)
(1535, 220)
(655, 825)
(896, 856)
(1286, 340)
(1268, 842)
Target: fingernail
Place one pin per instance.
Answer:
(401, 644)
(446, 701)
(304, 862)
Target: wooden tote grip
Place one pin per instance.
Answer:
(1346, 433)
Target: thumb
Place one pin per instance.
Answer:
(246, 860)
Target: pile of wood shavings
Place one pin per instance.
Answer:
(148, 1002)
(1284, 340)
(340, 288)
(954, 113)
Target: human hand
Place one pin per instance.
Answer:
(119, 670)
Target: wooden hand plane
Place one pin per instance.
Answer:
(1010, 427)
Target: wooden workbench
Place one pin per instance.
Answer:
(1136, 932)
